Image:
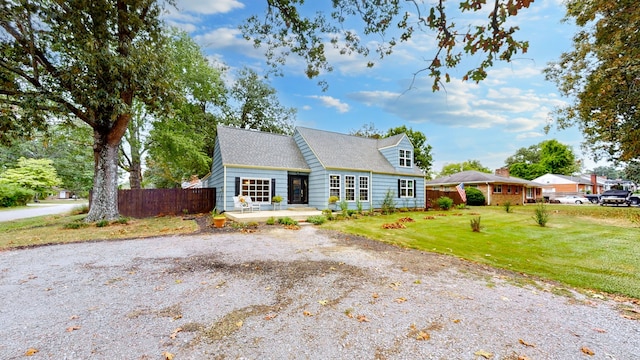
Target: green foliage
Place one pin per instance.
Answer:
(283, 25)
(276, 199)
(271, 221)
(445, 202)
(333, 199)
(550, 156)
(316, 219)
(38, 175)
(507, 206)
(327, 213)
(450, 169)
(287, 221)
(344, 207)
(475, 224)
(122, 220)
(102, 223)
(388, 205)
(75, 225)
(600, 74)
(58, 67)
(475, 197)
(358, 206)
(461, 206)
(541, 214)
(14, 195)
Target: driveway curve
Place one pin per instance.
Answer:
(286, 294)
(34, 210)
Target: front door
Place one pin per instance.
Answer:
(298, 188)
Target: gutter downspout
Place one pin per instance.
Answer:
(488, 193)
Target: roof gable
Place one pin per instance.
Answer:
(341, 151)
(477, 177)
(243, 147)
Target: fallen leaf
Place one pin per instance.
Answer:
(323, 302)
(306, 313)
(375, 295)
(456, 321)
(167, 355)
(73, 328)
(587, 351)
(362, 318)
(178, 281)
(239, 323)
(423, 336)
(484, 354)
(400, 300)
(73, 317)
(602, 331)
(523, 357)
(405, 269)
(175, 333)
(30, 352)
(525, 343)
(270, 316)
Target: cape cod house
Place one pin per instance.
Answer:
(307, 168)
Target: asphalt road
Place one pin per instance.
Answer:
(39, 210)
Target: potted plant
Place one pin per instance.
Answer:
(219, 219)
(276, 200)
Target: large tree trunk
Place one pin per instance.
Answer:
(104, 201)
(135, 175)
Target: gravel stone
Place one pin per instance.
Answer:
(292, 294)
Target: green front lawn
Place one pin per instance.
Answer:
(584, 246)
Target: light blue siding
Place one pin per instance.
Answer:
(392, 154)
(318, 181)
(232, 173)
(383, 183)
(216, 179)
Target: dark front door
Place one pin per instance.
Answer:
(298, 188)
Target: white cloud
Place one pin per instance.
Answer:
(208, 7)
(331, 102)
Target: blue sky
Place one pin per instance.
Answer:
(486, 122)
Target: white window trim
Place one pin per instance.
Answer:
(408, 158)
(339, 188)
(253, 198)
(347, 188)
(495, 187)
(407, 187)
(360, 188)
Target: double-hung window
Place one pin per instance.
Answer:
(497, 189)
(406, 188)
(350, 187)
(334, 185)
(405, 158)
(364, 188)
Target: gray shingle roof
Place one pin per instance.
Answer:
(341, 151)
(477, 177)
(261, 149)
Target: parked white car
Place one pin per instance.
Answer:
(573, 199)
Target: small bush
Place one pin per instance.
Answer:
(328, 214)
(541, 214)
(287, 221)
(271, 221)
(122, 220)
(102, 223)
(475, 224)
(445, 203)
(317, 219)
(76, 225)
(507, 206)
(13, 195)
(344, 206)
(388, 204)
(359, 206)
(475, 197)
(461, 206)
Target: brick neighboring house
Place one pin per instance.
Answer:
(497, 188)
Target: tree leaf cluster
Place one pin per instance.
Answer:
(549, 156)
(296, 27)
(600, 76)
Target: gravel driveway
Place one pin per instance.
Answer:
(285, 294)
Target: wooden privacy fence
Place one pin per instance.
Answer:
(433, 195)
(141, 203)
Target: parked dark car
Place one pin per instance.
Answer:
(615, 197)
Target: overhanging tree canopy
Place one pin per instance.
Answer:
(86, 59)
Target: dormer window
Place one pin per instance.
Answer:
(405, 158)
